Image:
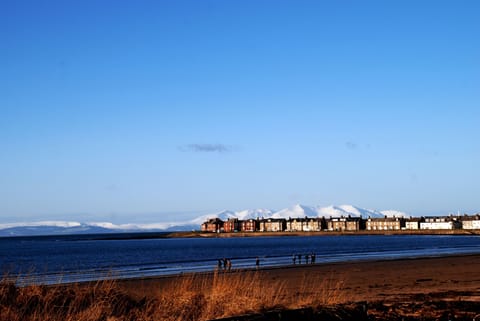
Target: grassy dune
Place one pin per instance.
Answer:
(196, 297)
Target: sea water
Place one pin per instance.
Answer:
(59, 259)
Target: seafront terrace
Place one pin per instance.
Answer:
(343, 224)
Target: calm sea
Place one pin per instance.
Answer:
(55, 259)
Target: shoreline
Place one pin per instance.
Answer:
(274, 269)
(318, 264)
(366, 279)
(420, 289)
(427, 289)
(199, 234)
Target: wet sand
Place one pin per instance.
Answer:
(450, 277)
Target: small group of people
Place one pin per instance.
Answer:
(224, 264)
(309, 258)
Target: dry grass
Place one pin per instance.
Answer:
(196, 297)
(318, 290)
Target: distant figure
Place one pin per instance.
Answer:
(219, 264)
(294, 259)
(306, 258)
(229, 264)
(313, 258)
(299, 258)
(257, 262)
(225, 263)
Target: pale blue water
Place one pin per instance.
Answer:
(56, 259)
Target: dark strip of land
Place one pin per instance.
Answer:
(324, 233)
(196, 234)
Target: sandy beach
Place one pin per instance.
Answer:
(437, 288)
(364, 280)
(413, 285)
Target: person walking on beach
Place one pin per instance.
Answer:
(299, 258)
(219, 264)
(257, 263)
(229, 264)
(294, 259)
(313, 258)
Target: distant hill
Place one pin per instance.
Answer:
(295, 211)
(299, 210)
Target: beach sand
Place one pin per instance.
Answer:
(414, 285)
(427, 289)
(362, 280)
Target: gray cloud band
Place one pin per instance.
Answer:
(206, 148)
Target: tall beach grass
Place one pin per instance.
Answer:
(193, 297)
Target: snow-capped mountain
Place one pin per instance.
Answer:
(259, 212)
(241, 215)
(348, 210)
(49, 228)
(299, 210)
(66, 228)
(393, 213)
(295, 211)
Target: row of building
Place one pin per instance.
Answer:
(316, 224)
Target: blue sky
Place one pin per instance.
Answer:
(161, 110)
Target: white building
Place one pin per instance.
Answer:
(440, 223)
(412, 223)
(471, 222)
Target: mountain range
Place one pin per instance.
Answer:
(295, 211)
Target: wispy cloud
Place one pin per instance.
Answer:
(206, 148)
(351, 145)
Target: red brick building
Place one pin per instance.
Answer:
(249, 225)
(214, 225)
(232, 225)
